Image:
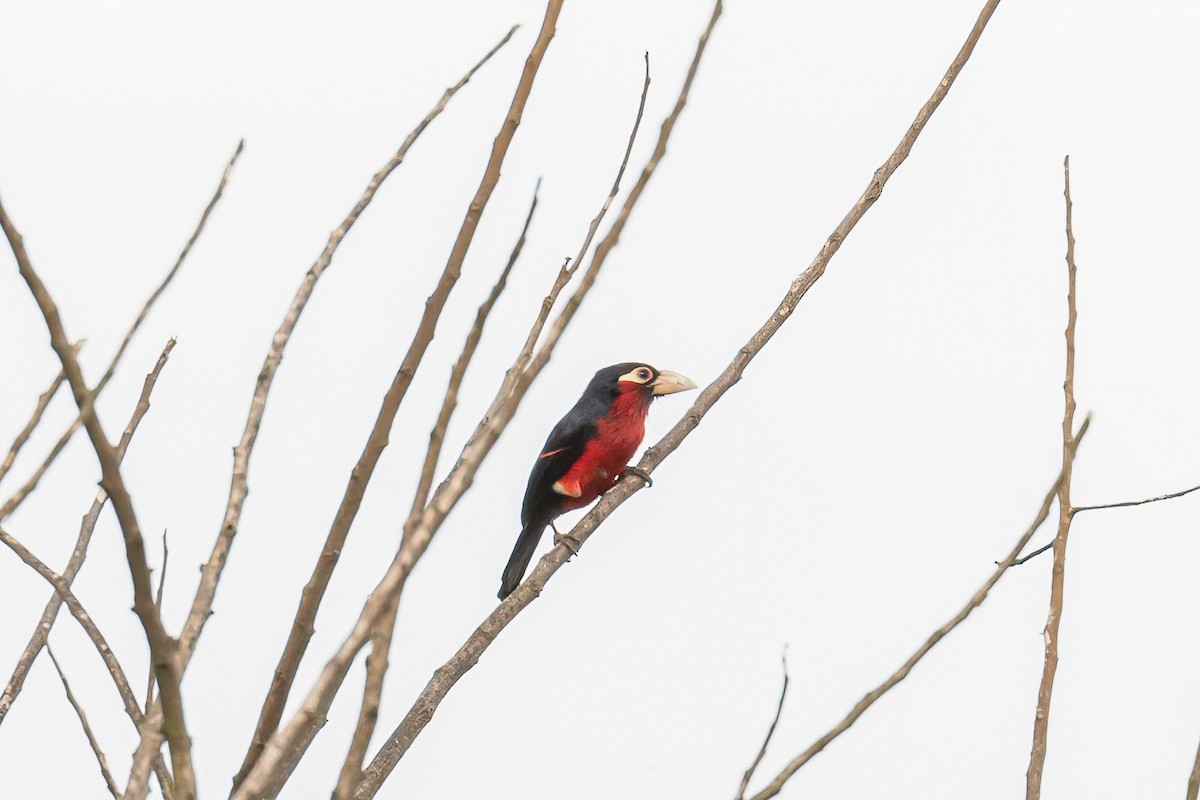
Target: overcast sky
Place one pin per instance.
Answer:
(844, 500)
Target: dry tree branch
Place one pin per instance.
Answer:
(85, 621)
(613, 237)
(211, 572)
(158, 603)
(11, 504)
(290, 744)
(162, 646)
(89, 627)
(762, 751)
(976, 600)
(381, 637)
(87, 729)
(302, 630)
(1129, 503)
(1193, 785)
(1041, 721)
(38, 640)
(468, 655)
(1075, 510)
(34, 420)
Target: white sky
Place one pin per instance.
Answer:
(845, 499)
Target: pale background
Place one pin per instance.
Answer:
(844, 500)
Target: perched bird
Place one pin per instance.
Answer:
(588, 452)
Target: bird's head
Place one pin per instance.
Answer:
(633, 376)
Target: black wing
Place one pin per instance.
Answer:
(563, 448)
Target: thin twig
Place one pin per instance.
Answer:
(158, 603)
(1128, 503)
(314, 591)
(613, 237)
(776, 785)
(87, 729)
(468, 655)
(290, 742)
(381, 638)
(162, 646)
(762, 751)
(31, 483)
(34, 420)
(38, 639)
(1041, 720)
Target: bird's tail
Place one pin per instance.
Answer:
(522, 554)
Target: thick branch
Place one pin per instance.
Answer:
(314, 592)
(468, 655)
(381, 638)
(1041, 720)
(162, 646)
(1193, 784)
(87, 729)
(31, 483)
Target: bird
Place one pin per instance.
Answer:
(588, 452)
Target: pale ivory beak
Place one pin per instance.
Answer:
(669, 382)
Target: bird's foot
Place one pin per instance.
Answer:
(571, 542)
(640, 473)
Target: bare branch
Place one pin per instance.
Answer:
(1193, 785)
(976, 600)
(211, 571)
(1041, 720)
(762, 751)
(34, 420)
(1128, 503)
(314, 591)
(87, 729)
(468, 655)
(162, 646)
(38, 640)
(85, 621)
(311, 715)
(158, 602)
(381, 638)
(31, 483)
(613, 237)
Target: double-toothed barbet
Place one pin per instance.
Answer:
(588, 452)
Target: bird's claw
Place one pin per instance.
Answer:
(571, 543)
(640, 473)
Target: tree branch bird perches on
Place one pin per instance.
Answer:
(588, 452)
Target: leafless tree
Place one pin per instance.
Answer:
(277, 745)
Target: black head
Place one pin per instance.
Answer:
(638, 376)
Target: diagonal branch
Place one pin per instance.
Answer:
(1193, 784)
(1129, 503)
(976, 600)
(31, 483)
(290, 743)
(1041, 720)
(87, 729)
(162, 646)
(762, 751)
(101, 644)
(468, 655)
(381, 638)
(314, 591)
(38, 640)
(211, 571)
(34, 420)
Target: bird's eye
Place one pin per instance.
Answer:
(643, 374)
